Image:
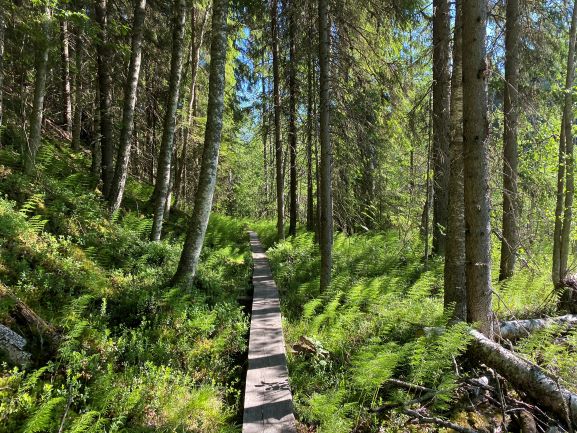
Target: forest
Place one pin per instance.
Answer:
(293, 216)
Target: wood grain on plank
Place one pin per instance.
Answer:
(268, 406)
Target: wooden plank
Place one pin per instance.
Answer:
(268, 406)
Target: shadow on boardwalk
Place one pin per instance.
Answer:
(268, 403)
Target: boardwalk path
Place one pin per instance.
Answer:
(268, 406)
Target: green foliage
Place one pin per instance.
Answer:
(135, 355)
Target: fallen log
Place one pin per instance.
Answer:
(527, 377)
(515, 329)
(41, 337)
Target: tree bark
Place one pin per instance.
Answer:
(559, 261)
(2, 33)
(105, 99)
(166, 148)
(310, 90)
(292, 120)
(510, 239)
(195, 46)
(326, 164)
(455, 295)
(212, 138)
(277, 120)
(441, 120)
(77, 121)
(130, 94)
(65, 71)
(476, 165)
(39, 94)
(525, 376)
(515, 329)
(568, 299)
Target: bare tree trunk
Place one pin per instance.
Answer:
(95, 168)
(476, 163)
(526, 376)
(77, 121)
(510, 239)
(568, 297)
(195, 46)
(39, 94)
(2, 32)
(326, 190)
(559, 261)
(165, 158)
(441, 119)
(455, 294)
(310, 89)
(292, 120)
(277, 120)
(105, 92)
(65, 59)
(265, 127)
(130, 94)
(208, 171)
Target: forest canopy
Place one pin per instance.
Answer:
(407, 165)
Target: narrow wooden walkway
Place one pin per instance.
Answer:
(268, 406)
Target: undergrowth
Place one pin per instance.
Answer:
(370, 326)
(134, 354)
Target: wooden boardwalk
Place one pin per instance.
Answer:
(268, 406)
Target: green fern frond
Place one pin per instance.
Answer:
(43, 418)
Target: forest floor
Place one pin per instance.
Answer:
(131, 354)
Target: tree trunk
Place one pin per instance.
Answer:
(310, 89)
(105, 92)
(525, 376)
(65, 71)
(277, 120)
(441, 119)
(39, 94)
(559, 271)
(326, 190)
(77, 121)
(510, 239)
(515, 329)
(2, 32)
(476, 164)
(292, 120)
(208, 171)
(568, 298)
(96, 151)
(195, 46)
(455, 295)
(130, 94)
(166, 148)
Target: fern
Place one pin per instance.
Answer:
(33, 203)
(43, 418)
(87, 422)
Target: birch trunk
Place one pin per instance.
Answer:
(166, 147)
(39, 94)
(65, 71)
(130, 95)
(208, 171)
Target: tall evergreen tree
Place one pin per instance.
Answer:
(476, 166)
(455, 294)
(510, 239)
(326, 163)
(441, 119)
